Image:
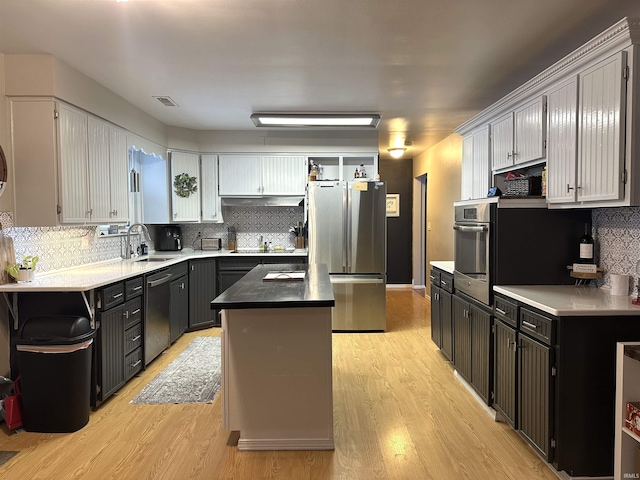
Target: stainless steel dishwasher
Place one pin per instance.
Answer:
(157, 323)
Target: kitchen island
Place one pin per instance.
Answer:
(277, 359)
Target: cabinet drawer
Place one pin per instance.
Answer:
(446, 282)
(111, 296)
(133, 312)
(133, 338)
(506, 311)
(179, 269)
(434, 275)
(133, 363)
(133, 287)
(536, 325)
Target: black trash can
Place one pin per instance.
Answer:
(54, 358)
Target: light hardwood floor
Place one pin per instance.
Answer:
(399, 414)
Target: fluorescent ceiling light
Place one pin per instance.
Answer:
(364, 120)
(396, 152)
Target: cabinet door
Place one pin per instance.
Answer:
(601, 131)
(461, 337)
(179, 307)
(446, 324)
(74, 191)
(111, 338)
(562, 146)
(466, 191)
(504, 373)
(481, 357)
(530, 127)
(202, 290)
(118, 176)
(502, 142)
(436, 320)
(535, 393)
(185, 205)
(211, 207)
(239, 175)
(284, 175)
(98, 159)
(481, 167)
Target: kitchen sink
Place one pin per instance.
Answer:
(154, 259)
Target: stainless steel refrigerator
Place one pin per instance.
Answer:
(348, 233)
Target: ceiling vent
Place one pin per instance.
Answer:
(166, 101)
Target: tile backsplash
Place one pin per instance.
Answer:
(65, 247)
(616, 232)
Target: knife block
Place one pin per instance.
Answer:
(299, 242)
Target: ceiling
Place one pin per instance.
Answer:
(425, 65)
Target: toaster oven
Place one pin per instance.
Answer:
(211, 244)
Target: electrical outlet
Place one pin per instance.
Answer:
(84, 244)
(199, 234)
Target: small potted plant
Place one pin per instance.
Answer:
(24, 270)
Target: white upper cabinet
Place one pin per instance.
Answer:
(258, 175)
(284, 175)
(108, 173)
(518, 137)
(562, 142)
(476, 178)
(185, 185)
(601, 132)
(73, 148)
(239, 175)
(76, 163)
(211, 207)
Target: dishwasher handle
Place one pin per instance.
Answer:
(159, 281)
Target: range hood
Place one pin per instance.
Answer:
(266, 201)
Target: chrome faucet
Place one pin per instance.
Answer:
(127, 247)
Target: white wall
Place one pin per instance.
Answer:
(442, 164)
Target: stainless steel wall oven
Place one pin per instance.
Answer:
(508, 242)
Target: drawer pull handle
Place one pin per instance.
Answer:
(136, 364)
(139, 287)
(136, 311)
(117, 295)
(442, 282)
(432, 277)
(529, 325)
(135, 339)
(501, 312)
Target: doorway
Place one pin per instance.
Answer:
(420, 232)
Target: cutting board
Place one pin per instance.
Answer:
(7, 257)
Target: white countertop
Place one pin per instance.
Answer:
(447, 265)
(88, 277)
(569, 300)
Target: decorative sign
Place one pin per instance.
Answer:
(393, 204)
(585, 268)
(361, 186)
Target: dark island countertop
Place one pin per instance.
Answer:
(252, 292)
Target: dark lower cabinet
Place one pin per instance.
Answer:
(535, 394)
(202, 290)
(436, 316)
(441, 323)
(446, 324)
(472, 350)
(179, 307)
(461, 337)
(119, 338)
(504, 371)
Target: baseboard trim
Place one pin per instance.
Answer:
(285, 444)
(398, 285)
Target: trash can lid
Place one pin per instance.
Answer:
(55, 330)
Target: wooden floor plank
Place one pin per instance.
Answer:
(399, 414)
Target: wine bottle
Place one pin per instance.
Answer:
(586, 246)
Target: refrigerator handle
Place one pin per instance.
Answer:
(345, 229)
(349, 226)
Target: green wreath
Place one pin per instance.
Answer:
(185, 185)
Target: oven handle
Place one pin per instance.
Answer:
(466, 228)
